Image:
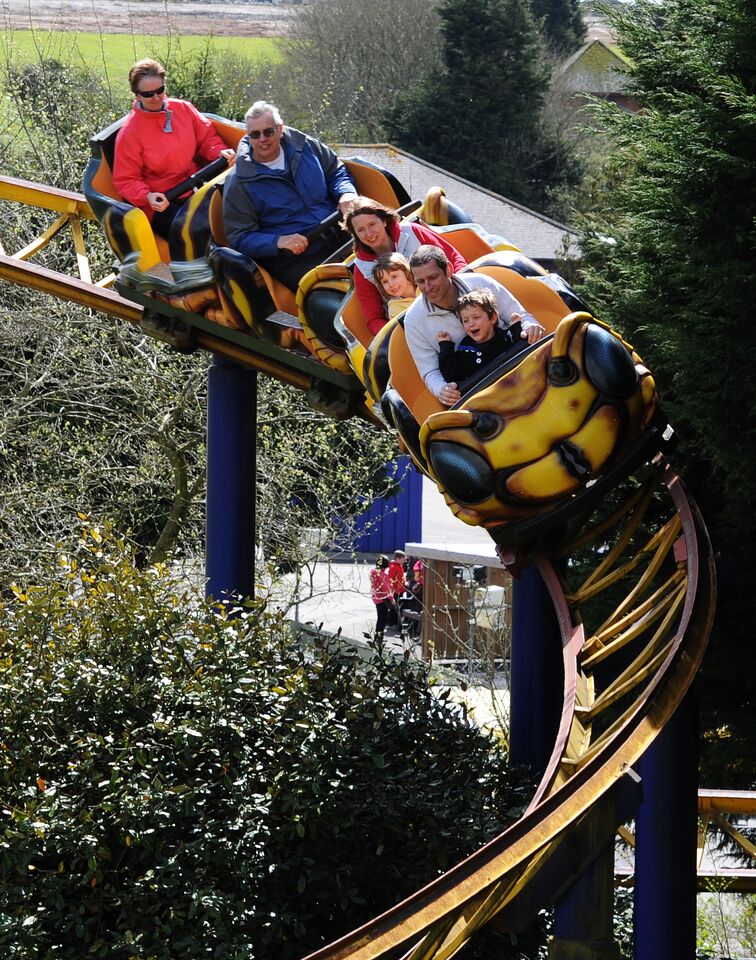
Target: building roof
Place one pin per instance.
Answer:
(595, 68)
(538, 236)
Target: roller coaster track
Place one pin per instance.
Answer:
(626, 669)
(632, 584)
(72, 210)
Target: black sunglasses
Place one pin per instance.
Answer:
(147, 94)
(268, 132)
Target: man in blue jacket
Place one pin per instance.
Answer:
(284, 183)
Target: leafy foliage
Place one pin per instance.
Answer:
(177, 784)
(95, 415)
(481, 115)
(562, 24)
(673, 264)
(312, 471)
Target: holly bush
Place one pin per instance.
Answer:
(184, 781)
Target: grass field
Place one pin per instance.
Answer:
(112, 55)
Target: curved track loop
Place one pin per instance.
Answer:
(633, 590)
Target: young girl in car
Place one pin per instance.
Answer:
(393, 277)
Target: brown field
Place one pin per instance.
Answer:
(224, 18)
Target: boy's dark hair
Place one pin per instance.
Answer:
(478, 298)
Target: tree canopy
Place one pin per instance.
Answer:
(673, 265)
(481, 115)
(562, 22)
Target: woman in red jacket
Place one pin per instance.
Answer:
(159, 145)
(376, 230)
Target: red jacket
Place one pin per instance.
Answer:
(380, 588)
(149, 160)
(396, 577)
(407, 239)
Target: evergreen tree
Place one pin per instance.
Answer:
(481, 115)
(562, 24)
(679, 278)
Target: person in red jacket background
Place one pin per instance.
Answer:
(398, 581)
(380, 590)
(376, 230)
(160, 144)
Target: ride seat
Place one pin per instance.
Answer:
(468, 242)
(406, 379)
(282, 297)
(354, 321)
(376, 183)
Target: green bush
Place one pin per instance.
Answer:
(177, 783)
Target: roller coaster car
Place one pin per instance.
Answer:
(196, 272)
(542, 432)
(533, 440)
(542, 435)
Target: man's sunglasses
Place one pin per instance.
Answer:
(267, 132)
(148, 94)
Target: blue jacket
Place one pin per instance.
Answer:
(259, 204)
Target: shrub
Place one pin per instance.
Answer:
(177, 783)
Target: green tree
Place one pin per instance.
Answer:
(673, 264)
(180, 785)
(562, 24)
(482, 114)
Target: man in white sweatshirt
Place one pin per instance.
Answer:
(435, 311)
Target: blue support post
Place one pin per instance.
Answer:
(536, 675)
(665, 842)
(583, 917)
(231, 468)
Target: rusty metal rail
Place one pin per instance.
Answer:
(625, 673)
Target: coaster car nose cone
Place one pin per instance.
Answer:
(462, 472)
(609, 366)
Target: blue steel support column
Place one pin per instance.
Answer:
(583, 919)
(665, 842)
(536, 676)
(231, 466)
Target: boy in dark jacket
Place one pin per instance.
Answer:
(484, 342)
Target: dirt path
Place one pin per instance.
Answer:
(204, 17)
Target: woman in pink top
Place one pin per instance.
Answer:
(380, 588)
(376, 230)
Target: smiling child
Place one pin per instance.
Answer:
(485, 339)
(393, 277)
